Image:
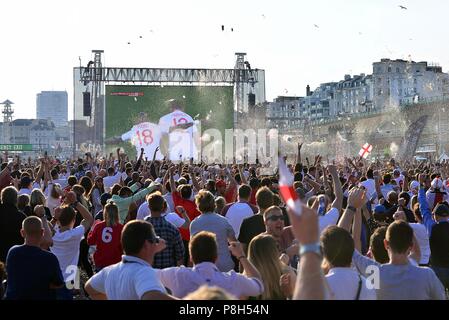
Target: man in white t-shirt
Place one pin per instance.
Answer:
(238, 211)
(111, 179)
(66, 240)
(183, 136)
(343, 282)
(369, 184)
(133, 278)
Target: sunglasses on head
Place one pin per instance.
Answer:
(276, 218)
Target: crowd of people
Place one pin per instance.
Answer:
(146, 230)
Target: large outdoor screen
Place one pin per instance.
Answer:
(138, 116)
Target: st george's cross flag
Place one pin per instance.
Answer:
(288, 193)
(366, 150)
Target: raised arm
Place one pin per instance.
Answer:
(139, 161)
(310, 283)
(237, 251)
(172, 179)
(315, 185)
(233, 182)
(424, 205)
(185, 216)
(356, 199)
(47, 242)
(357, 230)
(40, 173)
(338, 202)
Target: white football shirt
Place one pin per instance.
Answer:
(145, 135)
(181, 144)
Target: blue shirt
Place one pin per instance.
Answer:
(31, 271)
(219, 225)
(426, 214)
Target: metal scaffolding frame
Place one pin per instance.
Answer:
(160, 75)
(93, 78)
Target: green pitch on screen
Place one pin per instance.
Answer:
(212, 105)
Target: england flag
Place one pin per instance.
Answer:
(366, 150)
(286, 189)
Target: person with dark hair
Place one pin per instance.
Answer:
(40, 281)
(129, 195)
(254, 183)
(173, 254)
(203, 249)
(437, 225)
(71, 181)
(377, 249)
(182, 198)
(10, 221)
(344, 283)
(255, 225)
(66, 240)
(387, 187)
(369, 183)
(133, 278)
(236, 212)
(103, 201)
(95, 193)
(217, 224)
(399, 279)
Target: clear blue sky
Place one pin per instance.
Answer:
(42, 40)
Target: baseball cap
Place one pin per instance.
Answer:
(380, 209)
(104, 198)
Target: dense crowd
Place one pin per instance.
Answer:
(148, 229)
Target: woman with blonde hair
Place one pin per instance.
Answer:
(264, 254)
(106, 236)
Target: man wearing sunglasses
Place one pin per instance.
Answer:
(133, 278)
(274, 224)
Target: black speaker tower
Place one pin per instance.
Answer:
(87, 108)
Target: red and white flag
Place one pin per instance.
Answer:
(366, 150)
(288, 193)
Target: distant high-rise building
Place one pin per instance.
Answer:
(52, 105)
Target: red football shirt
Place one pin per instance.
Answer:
(252, 198)
(190, 207)
(107, 239)
(231, 195)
